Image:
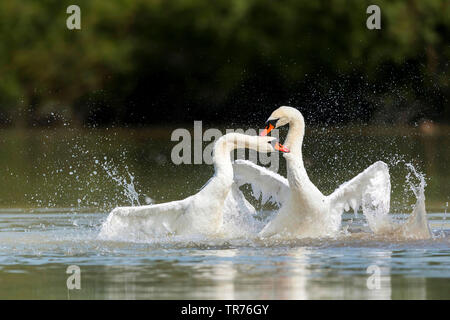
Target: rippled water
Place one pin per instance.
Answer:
(37, 247)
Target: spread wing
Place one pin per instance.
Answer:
(266, 184)
(370, 189)
(136, 223)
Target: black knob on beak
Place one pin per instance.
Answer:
(270, 125)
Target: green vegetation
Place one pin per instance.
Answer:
(141, 61)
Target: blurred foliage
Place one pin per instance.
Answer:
(147, 61)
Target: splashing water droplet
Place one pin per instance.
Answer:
(128, 186)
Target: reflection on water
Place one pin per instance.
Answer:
(36, 249)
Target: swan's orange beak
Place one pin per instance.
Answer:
(267, 130)
(280, 147)
(270, 125)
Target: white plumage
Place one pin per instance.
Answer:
(305, 211)
(200, 214)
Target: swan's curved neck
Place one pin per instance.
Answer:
(297, 175)
(221, 158)
(294, 139)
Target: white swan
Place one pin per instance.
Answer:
(201, 213)
(305, 211)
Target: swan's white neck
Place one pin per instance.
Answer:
(297, 175)
(229, 142)
(221, 158)
(294, 139)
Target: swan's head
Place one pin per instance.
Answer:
(260, 144)
(263, 144)
(280, 117)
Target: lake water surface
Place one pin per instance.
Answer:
(59, 185)
(37, 248)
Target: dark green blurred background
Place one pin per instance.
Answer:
(136, 62)
(154, 65)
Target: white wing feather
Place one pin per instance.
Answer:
(266, 184)
(370, 189)
(144, 221)
(176, 217)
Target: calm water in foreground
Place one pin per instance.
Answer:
(43, 171)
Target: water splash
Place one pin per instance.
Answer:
(416, 226)
(127, 184)
(417, 189)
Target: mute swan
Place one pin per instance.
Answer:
(201, 213)
(305, 211)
